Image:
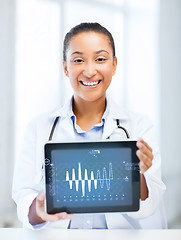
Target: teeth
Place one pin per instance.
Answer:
(90, 83)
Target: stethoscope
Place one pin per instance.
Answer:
(57, 118)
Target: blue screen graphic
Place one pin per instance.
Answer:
(91, 177)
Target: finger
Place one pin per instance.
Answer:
(65, 215)
(143, 167)
(143, 157)
(143, 147)
(145, 143)
(49, 217)
(41, 196)
(40, 202)
(55, 217)
(40, 208)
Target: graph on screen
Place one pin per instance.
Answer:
(98, 179)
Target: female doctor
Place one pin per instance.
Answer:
(89, 62)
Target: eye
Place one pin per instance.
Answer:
(78, 60)
(101, 59)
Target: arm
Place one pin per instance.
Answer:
(152, 186)
(145, 156)
(143, 188)
(27, 182)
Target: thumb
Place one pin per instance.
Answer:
(41, 196)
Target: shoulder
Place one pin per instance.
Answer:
(41, 119)
(139, 119)
(48, 118)
(118, 112)
(40, 126)
(138, 124)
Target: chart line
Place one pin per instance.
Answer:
(84, 180)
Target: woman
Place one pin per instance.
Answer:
(89, 62)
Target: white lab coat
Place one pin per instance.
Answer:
(28, 169)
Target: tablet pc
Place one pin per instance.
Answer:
(92, 177)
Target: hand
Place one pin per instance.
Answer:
(145, 155)
(40, 211)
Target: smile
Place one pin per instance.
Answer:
(88, 83)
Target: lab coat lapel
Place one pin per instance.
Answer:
(67, 126)
(109, 127)
(113, 112)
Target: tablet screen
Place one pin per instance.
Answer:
(92, 177)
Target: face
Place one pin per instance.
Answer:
(90, 65)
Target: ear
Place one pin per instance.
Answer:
(114, 66)
(65, 69)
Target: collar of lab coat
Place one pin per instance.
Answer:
(114, 111)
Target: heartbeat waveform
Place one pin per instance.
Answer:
(104, 180)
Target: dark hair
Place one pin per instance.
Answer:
(86, 27)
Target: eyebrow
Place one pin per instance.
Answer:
(100, 51)
(97, 52)
(77, 52)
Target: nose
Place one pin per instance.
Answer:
(89, 70)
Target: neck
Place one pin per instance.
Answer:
(88, 113)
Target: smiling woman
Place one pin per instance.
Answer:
(40, 83)
(90, 69)
(90, 115)
(89, 63)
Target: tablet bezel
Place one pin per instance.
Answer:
(99, 209)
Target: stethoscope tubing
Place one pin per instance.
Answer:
(57, 118)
